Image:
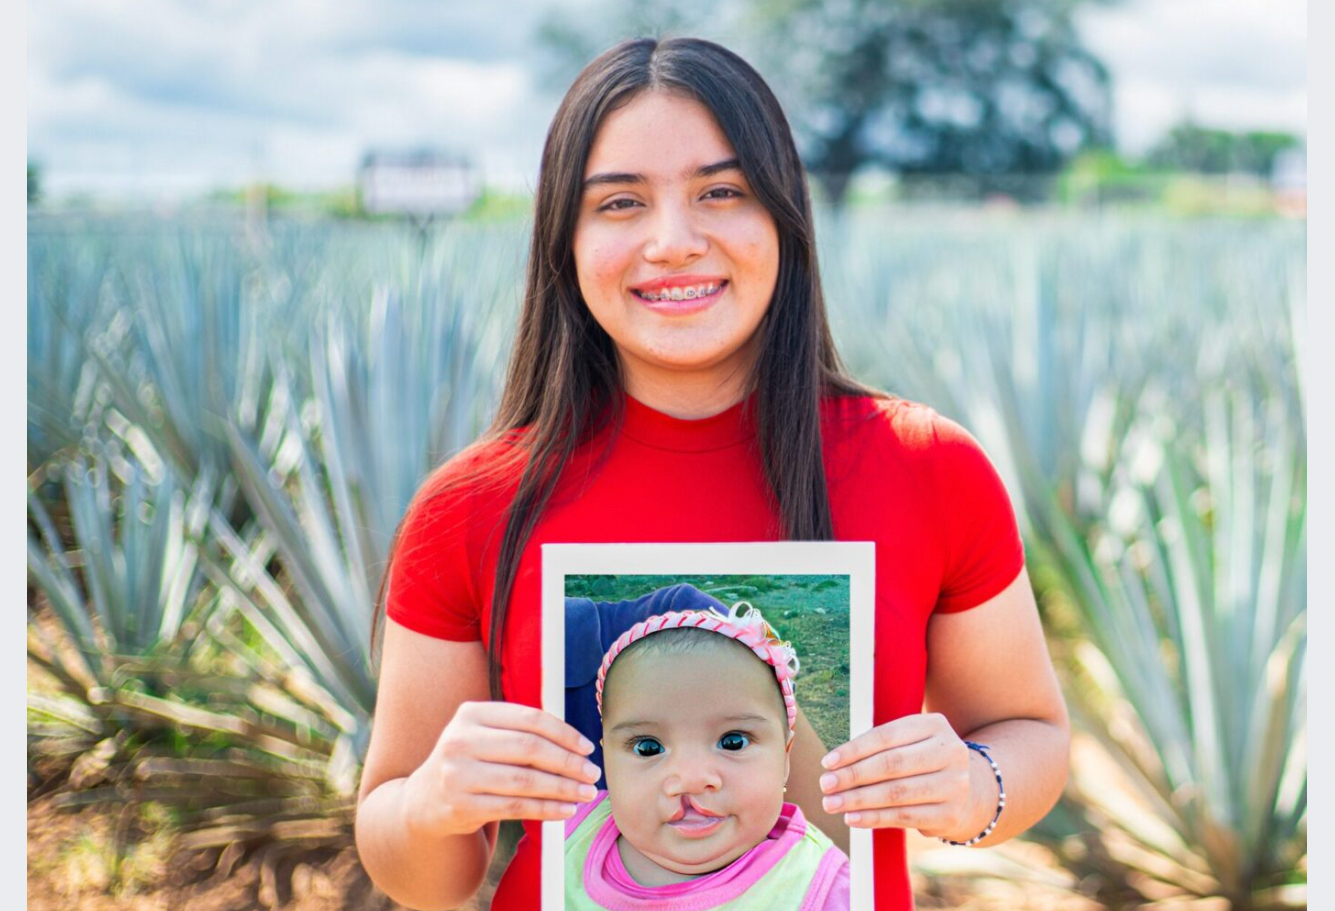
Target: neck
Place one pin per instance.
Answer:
(690, 396)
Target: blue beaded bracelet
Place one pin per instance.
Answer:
(981, 750)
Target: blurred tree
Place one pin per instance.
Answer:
(567, 41)
(34, 183)
(995, 90)
(1190, 147)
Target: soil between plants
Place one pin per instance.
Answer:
(68, 855)
(67, 872)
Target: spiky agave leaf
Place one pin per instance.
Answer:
(65, 281)
(312, 668)
(1043, 345)
(236, 754)
(1197, 608)
(116, 601)
(386, 410)
(137, 569)
(185, 351)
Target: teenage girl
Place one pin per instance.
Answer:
(674, 379)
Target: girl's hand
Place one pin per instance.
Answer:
(498, 760)
(912, 773)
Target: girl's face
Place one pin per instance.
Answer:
(676, 258)
(695, 749)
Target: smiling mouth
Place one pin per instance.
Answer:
(682, 292)
(681, 300)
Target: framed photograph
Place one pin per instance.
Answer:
(645, 651)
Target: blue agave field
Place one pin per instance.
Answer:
(226, 421)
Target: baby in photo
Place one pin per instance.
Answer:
(698, 713)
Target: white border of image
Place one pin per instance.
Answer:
(1320, 539)
(853, 559)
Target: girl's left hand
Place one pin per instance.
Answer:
(911, 773)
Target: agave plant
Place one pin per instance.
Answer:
(152, 695)
(1184, 654)
(182, 358)
(1194, 680)
(1184, 649)
(138, 566)
(276, 670)
(65, 281)
(119, 599)
(294, 423)
(385, 412)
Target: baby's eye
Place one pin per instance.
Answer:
(646, 746)
(734, 741)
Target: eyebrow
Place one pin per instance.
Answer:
(747, 717)
(643, 723)
(618, 177)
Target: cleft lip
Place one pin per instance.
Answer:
(677, 281)
(701, 810)
(688, 804)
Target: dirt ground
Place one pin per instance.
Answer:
(77, 861)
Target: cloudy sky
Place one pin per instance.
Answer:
(170, 97)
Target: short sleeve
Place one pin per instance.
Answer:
(431, 587)
(983, 550)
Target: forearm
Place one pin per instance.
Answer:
(413, 868)
(1033, 757)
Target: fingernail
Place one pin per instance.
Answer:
(585, 745)
(587, 792)
(568, 809)
(851, 818)
(828, 781)
(830, 760)
(592, 771)
(832, 803)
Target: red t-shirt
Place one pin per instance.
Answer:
(898, 473)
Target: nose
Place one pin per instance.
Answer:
(675, 237)
(691, 773)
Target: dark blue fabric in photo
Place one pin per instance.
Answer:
(592, 627)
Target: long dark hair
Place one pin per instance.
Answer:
(564, 381)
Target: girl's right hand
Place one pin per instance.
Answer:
(499, 760)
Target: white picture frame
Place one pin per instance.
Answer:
(855, 559)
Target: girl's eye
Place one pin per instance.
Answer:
(646, 746)
(734, 741)
(620, 205)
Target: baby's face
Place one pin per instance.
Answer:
(695, 751)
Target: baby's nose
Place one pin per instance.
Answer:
(692, 778)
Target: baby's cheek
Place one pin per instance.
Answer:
(761, 797)
(632, 812)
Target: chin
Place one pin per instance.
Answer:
(687, 358)
(707, 862)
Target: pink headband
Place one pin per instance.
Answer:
(748, 628)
